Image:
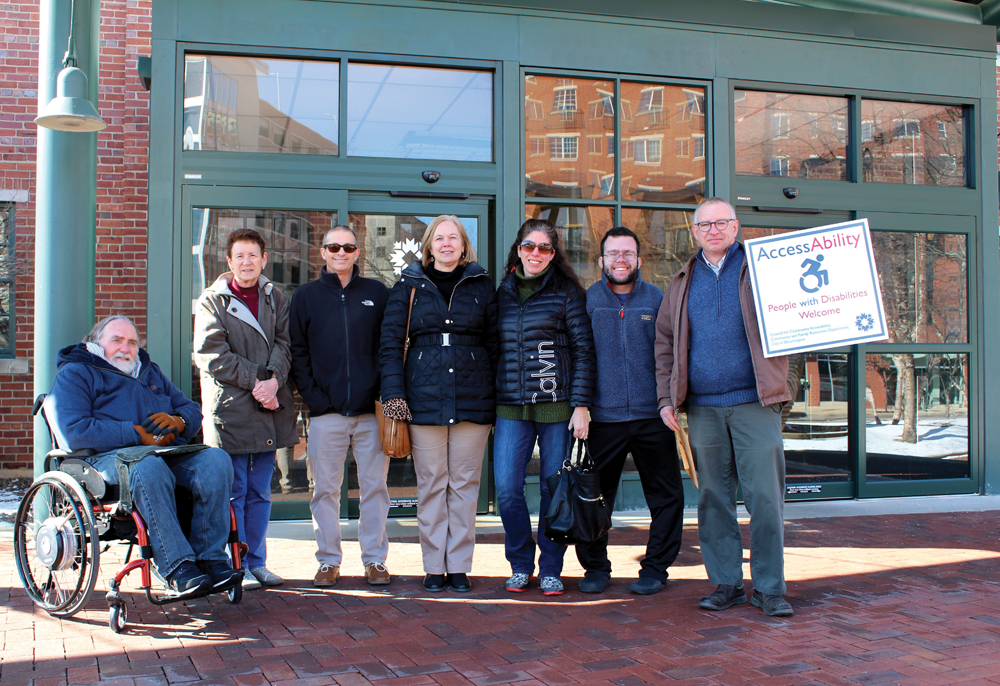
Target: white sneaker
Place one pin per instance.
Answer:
(249, 581)
(266, 576)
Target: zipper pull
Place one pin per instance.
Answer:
(622, 313)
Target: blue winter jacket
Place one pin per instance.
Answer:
(93, 405)
(623, 338)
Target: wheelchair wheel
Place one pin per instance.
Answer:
(56, 544)
(117, 616)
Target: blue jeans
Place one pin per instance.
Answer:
(513, 444)
(252, 502)
(208, 475)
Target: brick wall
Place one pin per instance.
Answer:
(122, 151)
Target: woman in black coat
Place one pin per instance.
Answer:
(545, 381)
(447, 387)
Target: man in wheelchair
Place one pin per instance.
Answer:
(108, 396)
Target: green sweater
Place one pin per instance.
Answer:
(546, 413)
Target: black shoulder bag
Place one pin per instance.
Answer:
(577, 513)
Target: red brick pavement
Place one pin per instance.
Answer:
(909, 599)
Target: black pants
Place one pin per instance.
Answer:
(655, 454)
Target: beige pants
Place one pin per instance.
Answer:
(329, 437)
(448, 461)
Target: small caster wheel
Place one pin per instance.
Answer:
(235, 594)
(117, 616)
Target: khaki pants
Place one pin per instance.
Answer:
(448, 461)
(329, 437)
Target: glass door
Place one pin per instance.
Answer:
(293, 223)
(391, 232)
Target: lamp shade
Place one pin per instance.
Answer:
(70, 110)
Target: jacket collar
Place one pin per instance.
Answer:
(333, 281)
(415, 271)
(222, 284)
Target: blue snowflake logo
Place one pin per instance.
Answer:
(864, 322)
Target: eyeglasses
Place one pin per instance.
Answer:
(615, 255)
(718, 224)
(543, 248)
(335, 247)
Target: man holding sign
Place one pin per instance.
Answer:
(709, 361)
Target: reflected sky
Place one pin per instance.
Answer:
(419, 113)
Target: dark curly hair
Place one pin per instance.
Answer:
(562, 272)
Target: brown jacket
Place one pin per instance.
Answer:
(673, 333)
(233, 350)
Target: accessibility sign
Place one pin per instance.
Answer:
(816, 288)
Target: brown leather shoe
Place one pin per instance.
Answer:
(326, 576)
(376, 574)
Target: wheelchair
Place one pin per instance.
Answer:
(65, 516)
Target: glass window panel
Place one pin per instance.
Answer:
(419, 113)
(666, 124)
(909, 142)
(917, 417)
(580, 229)
(789, 134)
(390, 242)
(666, 243)
(261, 104)
(924, 285)
(569, 131)
(293, 239)
(814, 425)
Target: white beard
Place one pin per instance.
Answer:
(124, 364)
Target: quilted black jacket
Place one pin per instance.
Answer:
(546, 346)
(442, 384)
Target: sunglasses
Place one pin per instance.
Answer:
(335, 247)
(543, 248)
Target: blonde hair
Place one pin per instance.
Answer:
(468, 252)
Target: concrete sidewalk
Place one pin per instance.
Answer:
(902, 591)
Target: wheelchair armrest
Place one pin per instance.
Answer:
(54, 458)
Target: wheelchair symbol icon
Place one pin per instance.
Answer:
(821, 276)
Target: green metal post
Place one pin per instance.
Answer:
(65, 203)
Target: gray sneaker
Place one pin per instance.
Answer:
(266, 576)
(518, 582)
(250, 582)
(551, 585)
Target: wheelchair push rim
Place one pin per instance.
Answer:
(56, 545)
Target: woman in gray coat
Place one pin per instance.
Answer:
(241, 347)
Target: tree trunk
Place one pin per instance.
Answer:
(906, 395)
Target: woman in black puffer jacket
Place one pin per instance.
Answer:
(545, 381)
(447, 386)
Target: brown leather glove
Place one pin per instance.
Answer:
(147, 438)
(161, 423)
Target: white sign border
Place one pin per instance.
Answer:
(882, 335)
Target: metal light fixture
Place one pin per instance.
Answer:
(70, 110)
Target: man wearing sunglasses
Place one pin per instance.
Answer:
(625, 415)
(709, 361)
(335, 325)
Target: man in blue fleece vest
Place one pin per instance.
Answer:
(625, 415)
(709, 360)
(109, 395)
